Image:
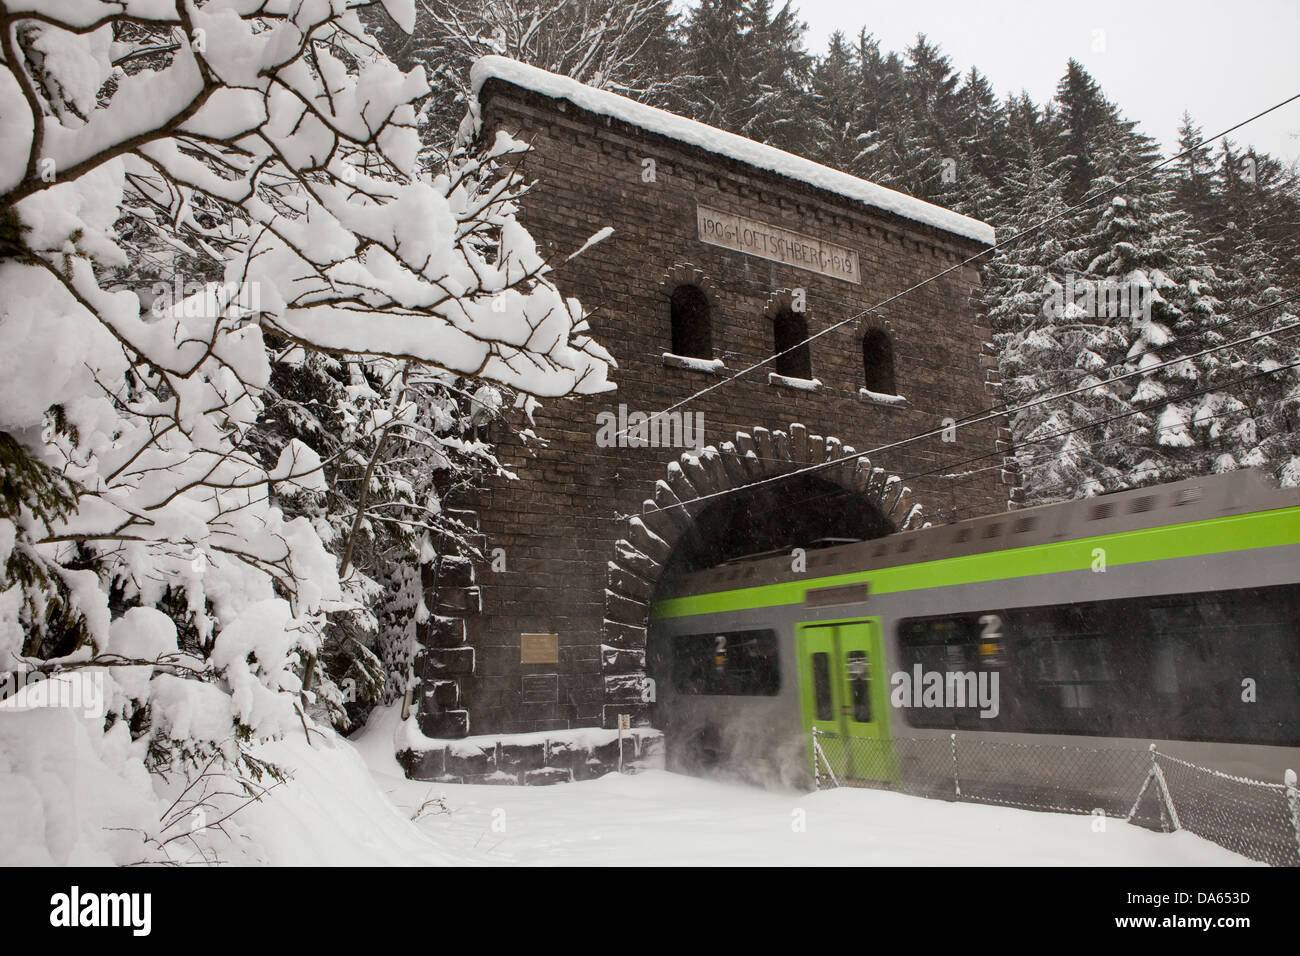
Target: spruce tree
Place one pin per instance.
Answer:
(1046, 345)
(1082, 118)
(746, 71)
(913, 141)
(1193, 173)
(837, 112)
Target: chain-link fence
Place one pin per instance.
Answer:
(1256, 819)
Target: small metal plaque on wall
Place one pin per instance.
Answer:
(539, 648)
(540, 688)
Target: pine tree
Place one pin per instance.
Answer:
(1212, 411)
(1194, 191)
(747, 72)
(912, 145)
(836, 95)
(1046, 345)
(1083, 119)
(979, 131)
(626, 46)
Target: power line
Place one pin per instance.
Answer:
(1271, 333)
(1005, 409)
(971, 475)
(1149, 406)
(1086, 201)
(1032, 404)
(1059, 434)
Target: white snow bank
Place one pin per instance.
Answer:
(73, 795)
(659, 818)
(662, 818)
(70, 795)
(726, 144)
(333, 812)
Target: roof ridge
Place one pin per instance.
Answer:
(713, 140)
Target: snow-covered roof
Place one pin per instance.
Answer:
(727, 144)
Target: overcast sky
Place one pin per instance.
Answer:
(1223, 61)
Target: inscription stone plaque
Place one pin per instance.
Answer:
(777, 244)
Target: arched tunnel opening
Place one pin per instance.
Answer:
(805, 511)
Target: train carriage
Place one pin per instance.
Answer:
(1167, 615)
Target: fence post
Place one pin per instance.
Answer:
(1293, 801)
(819, 754)
(1168, 815)
(956, 778)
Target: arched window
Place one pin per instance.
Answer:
(878, 362)
(788, 330)
(690, 315)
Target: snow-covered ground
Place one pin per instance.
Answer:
(350, 803)
(66, 799)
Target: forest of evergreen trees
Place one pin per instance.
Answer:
(1214, 234)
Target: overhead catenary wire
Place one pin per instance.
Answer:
(920, 436)
(965, 477)
(1092, 423)
(1140, 410)
(1003, 409)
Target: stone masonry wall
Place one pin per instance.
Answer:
(558, 524)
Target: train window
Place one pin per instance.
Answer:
(1212, 666)
(730, 663)
(821, 674)
(936, 644)
(859, 670)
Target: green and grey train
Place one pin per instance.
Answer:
(1167, 615)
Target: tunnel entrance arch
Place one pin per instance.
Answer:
(686, 525)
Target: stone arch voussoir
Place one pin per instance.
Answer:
(684, 273)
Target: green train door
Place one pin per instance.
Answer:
(843, 690)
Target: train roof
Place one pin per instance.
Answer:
(1194, 499)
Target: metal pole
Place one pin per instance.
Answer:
(956, 779)
(1293, 801)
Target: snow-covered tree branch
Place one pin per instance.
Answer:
(262, 158)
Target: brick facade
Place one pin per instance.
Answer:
(575, 564)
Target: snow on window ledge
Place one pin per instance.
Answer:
(694, 364)
(789, 381)
(880, 398)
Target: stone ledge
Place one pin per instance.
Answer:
(882, 398)
(795, 383)
(692, 364)
(536, 759)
